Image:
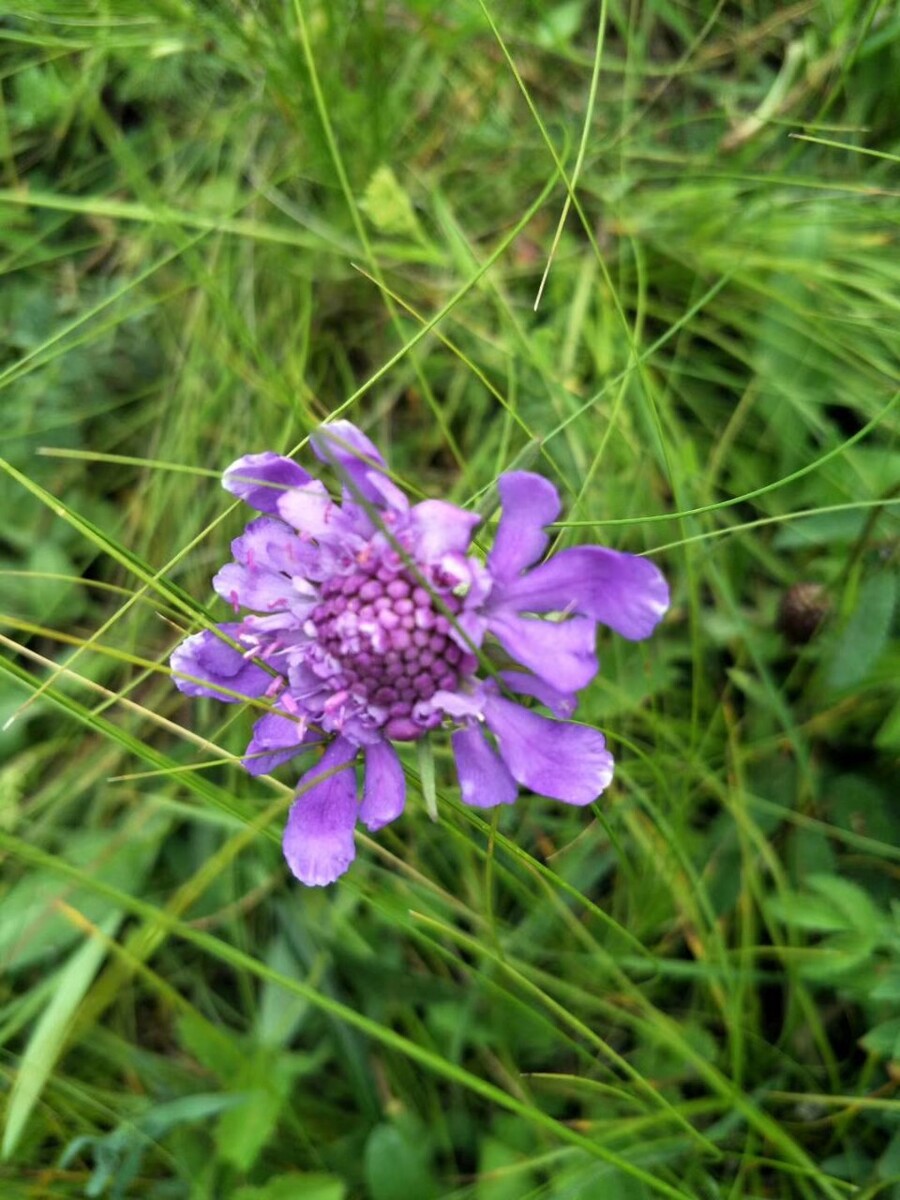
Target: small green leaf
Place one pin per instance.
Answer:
(243, 1131)
(211, 1047)
(801, 911)
(884, 1040)
(295, 1187)
(560, 24)
(887, 988)
(280, 1011)
(850, 899)
(263, 1085)
(397, 1165)
(866, 632)
(388, 206)
(888, 736)
(503, 1173)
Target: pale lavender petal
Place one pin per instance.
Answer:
(624, 591)
(307, 689)
(561, 704)
(312, 511)
(460, 705)
(554, 758)
(529, 503)
(259, 479)
(339, 441)
(217, 666)
(484, 780)
(276, 739)
(268, 542)
(385, 495)
(439, 527)
(561, 652)
(318, 836)
(358, 462)
(384, 792)
(261, 590)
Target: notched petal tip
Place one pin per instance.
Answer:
(563, 653)
(318, 837)
(484, 780)
(384, 792)
(627, 592)
(559, 759)
(529, 502)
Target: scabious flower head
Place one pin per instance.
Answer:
(369, 622)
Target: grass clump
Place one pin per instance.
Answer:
(224, 222)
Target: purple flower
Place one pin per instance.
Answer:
(370, 622)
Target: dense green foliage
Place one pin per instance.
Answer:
(221, 221)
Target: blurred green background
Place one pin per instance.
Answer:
(221, 222)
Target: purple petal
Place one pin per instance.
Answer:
(554, 758)
(384, 793)
(217, 665)
(261, 590)
(529, 503)
(624, 591)
(484, 780)
(358, 462)
(268, 542)
(440, 528)
(561, 652)
(318, 837)
(385, 495)
(259, 479)
(312, 511)
(561, 704)
(277, 738)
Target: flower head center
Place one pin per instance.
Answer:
(390, 641)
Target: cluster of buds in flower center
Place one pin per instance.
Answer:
(390, 642)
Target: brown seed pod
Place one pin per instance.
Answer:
(802, 609)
